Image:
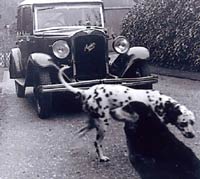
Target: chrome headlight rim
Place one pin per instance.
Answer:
(121, 45)
(60, 49)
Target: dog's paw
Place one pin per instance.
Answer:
(104, 159)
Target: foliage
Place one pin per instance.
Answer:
(169, 28)
(7, 12)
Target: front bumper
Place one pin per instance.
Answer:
(129, 82)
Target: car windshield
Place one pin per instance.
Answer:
(68, 16)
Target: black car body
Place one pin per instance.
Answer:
(56, 33)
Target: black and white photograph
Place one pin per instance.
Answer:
(99, 89)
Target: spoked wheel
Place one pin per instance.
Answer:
(43, 100)
(140, 69)
(20, 90)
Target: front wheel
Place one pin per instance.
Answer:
(139, 69)
(43, 100)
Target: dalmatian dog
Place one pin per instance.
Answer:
(104, 102)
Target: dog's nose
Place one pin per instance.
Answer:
(189, 135)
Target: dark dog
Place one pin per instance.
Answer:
(155, 152)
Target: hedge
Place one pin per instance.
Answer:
(170, 29)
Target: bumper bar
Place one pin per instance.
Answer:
(130, 82)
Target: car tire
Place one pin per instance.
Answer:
(139, 69)
(43, 100)
(20, 90)
(143, 69)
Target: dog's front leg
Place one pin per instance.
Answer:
(101, 129)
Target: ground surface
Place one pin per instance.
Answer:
(49, 149)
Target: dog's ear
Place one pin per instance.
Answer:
(129, 107)
(172, 111)
(79, 96)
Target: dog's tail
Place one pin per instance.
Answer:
(67, 85)
(90, 125)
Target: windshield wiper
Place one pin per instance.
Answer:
(46, 8)
(56, 29)
(94, 27)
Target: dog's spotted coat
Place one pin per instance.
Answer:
(103, 102)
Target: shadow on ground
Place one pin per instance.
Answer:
(62, 103)
(157, 154)
(66, 103)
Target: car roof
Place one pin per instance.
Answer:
(31, 2)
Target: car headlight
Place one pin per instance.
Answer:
(61, 49)
(121, 45)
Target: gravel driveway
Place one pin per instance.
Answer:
(32, 148)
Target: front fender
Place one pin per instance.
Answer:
(40, 59)
(15, 64)
(138, 53)
(123, 62)
(36, 61)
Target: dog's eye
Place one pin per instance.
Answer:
(183, 124)
(192, 122)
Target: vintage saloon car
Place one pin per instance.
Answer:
(56, 33)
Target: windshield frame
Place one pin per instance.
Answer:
(68, 28)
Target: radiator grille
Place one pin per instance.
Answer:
(90, 58)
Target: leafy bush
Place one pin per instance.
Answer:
(170, 29)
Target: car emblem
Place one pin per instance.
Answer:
(90, 47)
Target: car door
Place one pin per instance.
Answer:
(24, 32)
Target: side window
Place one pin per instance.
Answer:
(19, 21)
(27, 20)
